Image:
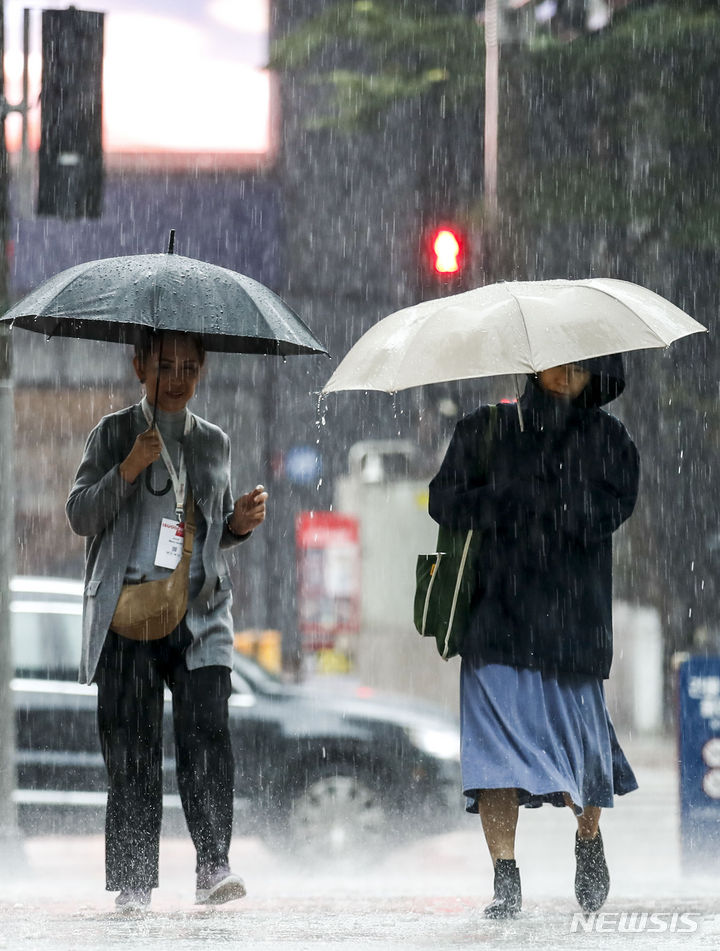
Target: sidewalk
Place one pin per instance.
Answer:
(427, 894)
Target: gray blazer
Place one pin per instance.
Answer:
(103, 507)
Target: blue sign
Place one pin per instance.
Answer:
(699, 750)
(303, 465)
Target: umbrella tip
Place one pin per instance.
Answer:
(171, 242)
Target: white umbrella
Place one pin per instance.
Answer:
(513, 327)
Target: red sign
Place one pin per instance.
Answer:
(328, 560)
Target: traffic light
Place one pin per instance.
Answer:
(446, 252)
(444, 259)
(70, 157)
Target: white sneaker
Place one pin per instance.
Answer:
(133, 900)
(215, 888)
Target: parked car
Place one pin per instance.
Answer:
(318, 772)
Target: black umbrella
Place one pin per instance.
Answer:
(115, 299)
(120, 299)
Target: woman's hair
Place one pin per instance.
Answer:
(148, 342)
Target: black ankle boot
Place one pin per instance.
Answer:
(508, 895)
(592, 878)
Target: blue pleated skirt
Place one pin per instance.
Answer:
(540, 734)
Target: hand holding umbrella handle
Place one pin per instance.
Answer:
(146, 449)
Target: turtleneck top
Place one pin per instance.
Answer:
(155, 507)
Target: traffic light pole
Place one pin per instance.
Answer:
(490, 159)
(492, 68)
(10, 842)
(9, 838)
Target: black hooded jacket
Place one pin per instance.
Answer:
(548, 503)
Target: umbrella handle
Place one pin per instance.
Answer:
(148, 479)
(148, 483)
(157, 376)
(517, 403)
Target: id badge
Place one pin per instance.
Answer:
(170, 543)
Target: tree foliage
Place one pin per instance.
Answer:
(632, 106)
(397, 51)
(637, 126)
(608, 164)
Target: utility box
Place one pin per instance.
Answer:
(391, 508)
(635, 690)
(385, 491)
(698, 697)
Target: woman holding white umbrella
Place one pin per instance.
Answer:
(562, 476)
(539, 641)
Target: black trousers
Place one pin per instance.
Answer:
(131, 678)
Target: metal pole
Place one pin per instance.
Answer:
(9, 838)
(10, 843)
(492, 57)
(25, 82)
(25, 185)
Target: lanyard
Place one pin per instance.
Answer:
(178, 478)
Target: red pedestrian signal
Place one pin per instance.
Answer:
(443, 260)
(446, 252)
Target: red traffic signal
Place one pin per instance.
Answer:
(444, 253)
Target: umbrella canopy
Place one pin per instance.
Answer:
(113, 298)
(513, 327)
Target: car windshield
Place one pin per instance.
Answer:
(46, 638)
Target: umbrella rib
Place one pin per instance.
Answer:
(61, 290)
(522, 318)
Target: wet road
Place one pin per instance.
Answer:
(426, 895)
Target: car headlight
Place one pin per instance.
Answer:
(441, 742)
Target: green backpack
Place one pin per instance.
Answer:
(447, 580)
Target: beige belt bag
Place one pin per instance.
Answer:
(150, 610)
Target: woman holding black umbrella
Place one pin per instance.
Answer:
(152, 497)
(539, 642)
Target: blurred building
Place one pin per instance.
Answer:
(336, 225)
